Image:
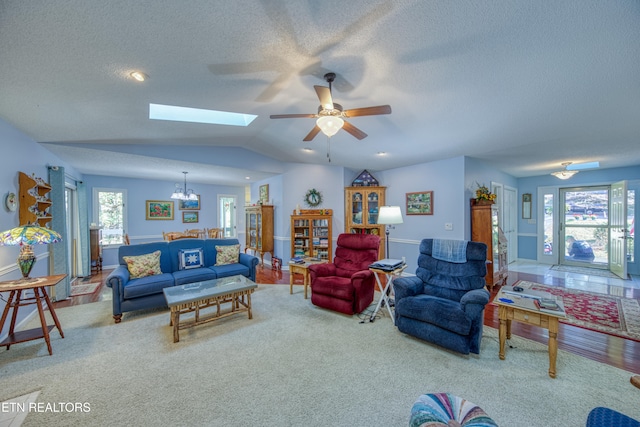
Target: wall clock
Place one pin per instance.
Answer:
(313, 198)
(11, 202)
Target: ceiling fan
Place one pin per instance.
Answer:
(330, 116)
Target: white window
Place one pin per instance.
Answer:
(109, 214)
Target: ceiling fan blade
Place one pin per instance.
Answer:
(312, 134)
(324, 95)
(354, 130)
(368, 111)
(292, 116)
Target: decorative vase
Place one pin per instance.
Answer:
(26, 259)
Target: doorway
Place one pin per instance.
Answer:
(585, 227)
(71, 219)
(227, 215)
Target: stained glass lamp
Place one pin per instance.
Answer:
(26, 236)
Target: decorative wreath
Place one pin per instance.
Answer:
(313, 198)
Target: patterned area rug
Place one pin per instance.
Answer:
(586, 271)
(609, 314)
(83, 289)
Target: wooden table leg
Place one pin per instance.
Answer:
(305, 280)
(553, 345)
(175, 319)
(249, 305)
(43, 321)
(5, 313)
(291, 274)
(52, 311)
(502, 331)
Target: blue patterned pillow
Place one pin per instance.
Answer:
(190, 258)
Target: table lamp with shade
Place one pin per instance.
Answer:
(26, 236)
(389, 216)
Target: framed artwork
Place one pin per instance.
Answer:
(189, 217)
(159, 209)
(526, 206)
(264, 194)
(420, 203)
(191, 205)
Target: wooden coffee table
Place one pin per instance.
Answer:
(196, 296)
(522, 308)
(304, 270)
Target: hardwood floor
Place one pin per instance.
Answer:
(614, 351)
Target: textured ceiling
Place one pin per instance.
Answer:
(525, 85)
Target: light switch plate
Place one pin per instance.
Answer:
(448, 226)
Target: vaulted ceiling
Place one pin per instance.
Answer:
(524, 85)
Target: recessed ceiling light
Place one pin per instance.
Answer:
(247, 177)
(198, 115)
(381, 153)
(308, 150)
(139, 76)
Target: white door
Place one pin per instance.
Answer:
(618, 227)
(510, 222)
(227, 215)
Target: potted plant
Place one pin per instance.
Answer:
(484, 196)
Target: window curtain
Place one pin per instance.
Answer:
(83, 262)
(58, 252)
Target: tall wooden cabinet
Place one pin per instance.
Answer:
(485, 228)
(96, 248)
(259, 229)
(311, 234)
(34, 200)
(362, 205)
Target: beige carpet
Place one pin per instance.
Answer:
(293, 364)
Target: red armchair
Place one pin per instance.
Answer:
(346, 285)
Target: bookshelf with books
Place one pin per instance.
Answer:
(311, 234)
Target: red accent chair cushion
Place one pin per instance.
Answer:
(346, 285)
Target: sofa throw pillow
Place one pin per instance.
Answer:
(228, 254)
(190, 258)
(143, 265)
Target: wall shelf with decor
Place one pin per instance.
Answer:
(259, 230)
(311, 233)
(34, 202)
(362, 205)
(485, 228)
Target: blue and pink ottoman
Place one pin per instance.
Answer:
(447, 410)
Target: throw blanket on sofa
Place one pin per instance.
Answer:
(450, 250)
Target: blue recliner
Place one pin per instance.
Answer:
(444, 303)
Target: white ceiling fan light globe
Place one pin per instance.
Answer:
(330, 125)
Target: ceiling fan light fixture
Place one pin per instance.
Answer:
(330, 125)
(565, 174)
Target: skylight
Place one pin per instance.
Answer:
(197, 115)
(583, 166)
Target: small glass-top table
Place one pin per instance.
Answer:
(199, 295)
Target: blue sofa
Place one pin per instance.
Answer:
(444, 302)
(146, 292)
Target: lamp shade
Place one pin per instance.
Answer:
(25, 236)
(390, 215)
(565, 174)
(29, 235)
(330, 125)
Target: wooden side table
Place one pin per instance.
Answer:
(304, 270)
(16, 300)
(522, 309)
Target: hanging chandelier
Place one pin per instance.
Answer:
(182, 193)
(565, 174)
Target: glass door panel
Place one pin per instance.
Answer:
(372, 207)
(357, 203)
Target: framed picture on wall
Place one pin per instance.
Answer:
(190, 217)
(420, 203)
(526, 206)
(159, 209)
(191, 205)
(264, 194)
